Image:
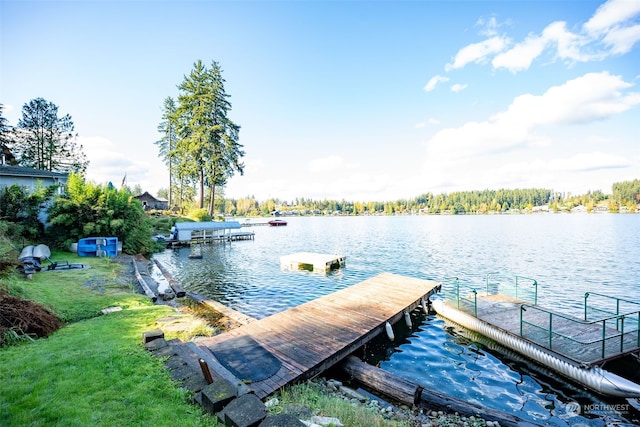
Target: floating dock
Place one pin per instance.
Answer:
(312, 262)
(299, 343)
(609, 328)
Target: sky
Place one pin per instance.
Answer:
(354, 100)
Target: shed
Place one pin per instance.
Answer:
(206, 230)
(150, 202)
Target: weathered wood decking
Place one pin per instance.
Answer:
(312, 337)
(583, 342)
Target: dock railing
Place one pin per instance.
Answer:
(519, 287)
(585, 341)
(465, 296)
(597, 305)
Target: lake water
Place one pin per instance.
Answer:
(568, 254)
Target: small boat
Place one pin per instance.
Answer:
(277, 223)
(31, 259)
(98, 247)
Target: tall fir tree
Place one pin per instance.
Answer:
(207, 149)
(6, 139)
(166, 144)
(48, 142)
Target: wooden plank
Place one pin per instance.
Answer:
(313, 336)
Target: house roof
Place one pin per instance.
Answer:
(149, 196)
(6, 170)
(207, 225)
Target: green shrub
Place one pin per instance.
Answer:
(199, 215)
(87, 209)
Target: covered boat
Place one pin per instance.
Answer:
(31, 259)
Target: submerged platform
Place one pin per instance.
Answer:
(299, 343)
(312, 262)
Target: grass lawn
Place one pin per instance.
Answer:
(93, 371)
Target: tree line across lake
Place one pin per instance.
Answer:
(625, 196)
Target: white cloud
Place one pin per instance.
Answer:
(610, 31)
(434, 81)
(588, 162)
(478, 52)
(458, 87)
(594, 96)
(433, 121)
(611, 14)
(489, 26)
(107, 165)
(520, 57)
(568, 45)
(7, 108)
(621, 40)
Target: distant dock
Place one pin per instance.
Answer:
(312, 262)
(301, 342)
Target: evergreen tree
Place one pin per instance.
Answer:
(46, 141)
(166, 144)
(207, 150)
(5, 136)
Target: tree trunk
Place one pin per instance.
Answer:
(170, 195)
(201, 184)
(212, 200)
(408, 393)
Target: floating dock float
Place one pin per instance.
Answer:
(301, 342)
(312, 262)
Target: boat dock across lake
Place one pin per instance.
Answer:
(301, 342)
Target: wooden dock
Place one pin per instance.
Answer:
(301, 342)
(312, 262)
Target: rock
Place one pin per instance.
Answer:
(352, 394)
(325, 421)
(217, 395)
(335, 383)
(245, 411)
(152, 335)
(272, 402)
(281, 420)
